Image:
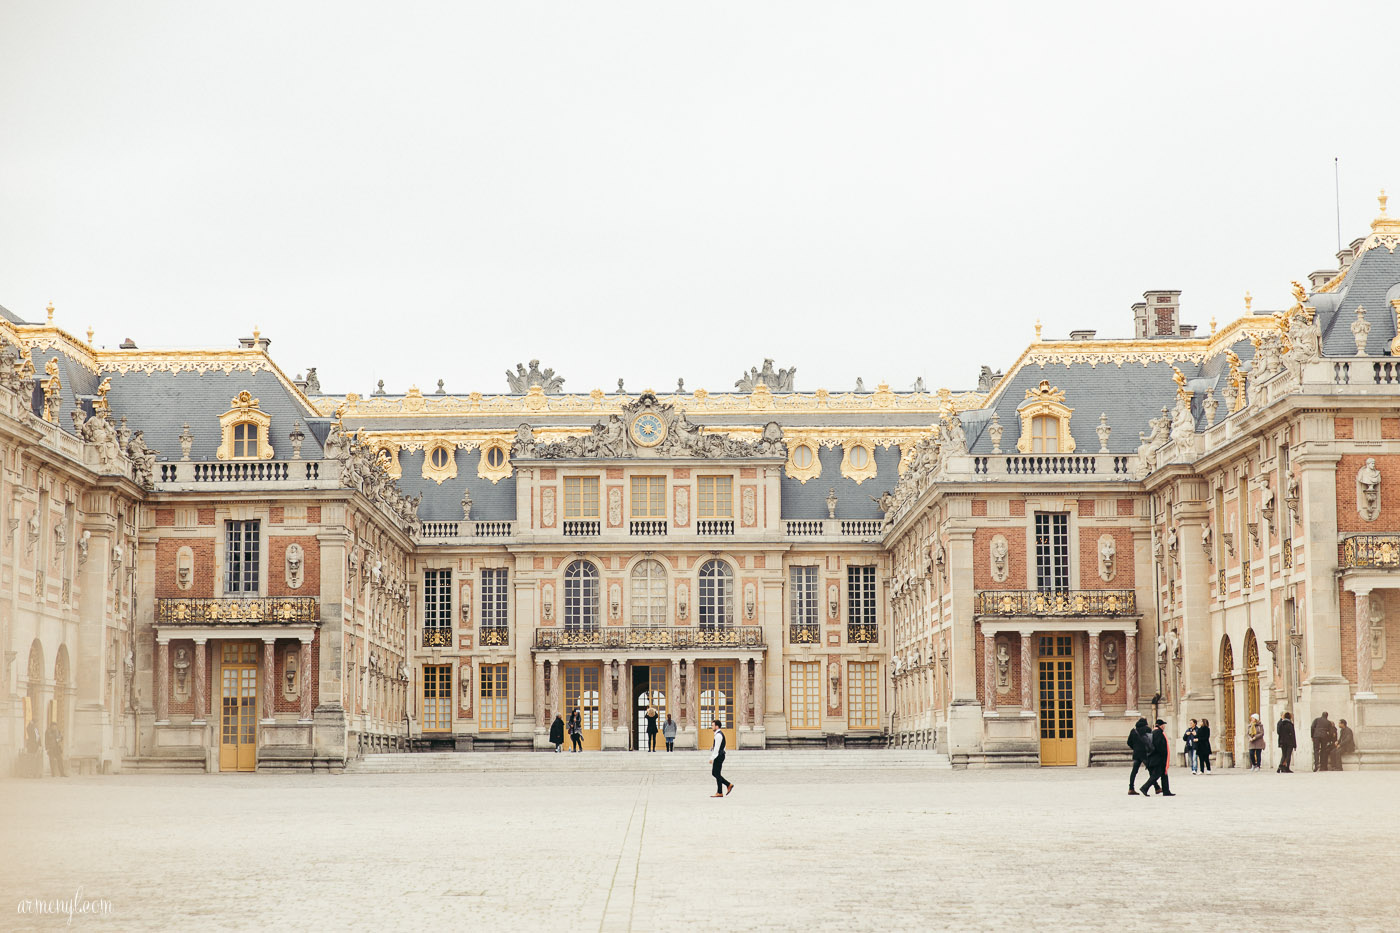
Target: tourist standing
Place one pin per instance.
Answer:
(576, 730)
(652, 728)
(717, 761)
(1140, 741)
(1346, 744)
(1157, 762)
(1324, 736)
(669, 732)
(556, 733)
(1287, 741)
(1188, 739)
(53, 744)
(1255, 733)
(1203, 749)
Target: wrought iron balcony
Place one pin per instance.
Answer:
(1061, 603)
(1371, 552)
(438, 637)
(642, 637)
(493, 636)
(237, 610)
(805, 633)
(862, 633)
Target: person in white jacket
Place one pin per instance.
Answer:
(717, 762)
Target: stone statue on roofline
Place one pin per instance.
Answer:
(776, 380)
(523, 379)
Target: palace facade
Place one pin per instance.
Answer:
(210, 565)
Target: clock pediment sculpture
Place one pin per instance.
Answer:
(648, 428)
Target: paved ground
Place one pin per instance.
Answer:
(648, 850)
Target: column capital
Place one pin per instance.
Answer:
(200, 639)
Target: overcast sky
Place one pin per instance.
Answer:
(414, 192)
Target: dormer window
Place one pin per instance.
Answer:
(1045, 435)
(245, 441)
(244, 429)
(1045, 421)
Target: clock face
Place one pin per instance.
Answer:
(648, 430)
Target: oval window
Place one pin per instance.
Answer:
(802, 457)
(860, 458)
(495, 457)
(439, 458)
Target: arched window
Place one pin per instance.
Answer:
(245, 430)
(649, 593)
(1045, 435)
(245, 440)
(716, 595)
(581, 597)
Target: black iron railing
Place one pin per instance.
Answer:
(805, 633)
(644, 637)
(493, 636)
(437, 637)
(1370, 552)
(862, 633)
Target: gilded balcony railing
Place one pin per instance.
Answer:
(234, 610)
(805, 633)
(862, 633)
(493, 636)
(1062, 603)
(1371, 552)
(642, 637)
(439, 637)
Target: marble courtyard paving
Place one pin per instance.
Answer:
(642, 847)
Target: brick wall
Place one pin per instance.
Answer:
(1016, 561)
(1089, 578)
(277, 565)
(1348, 520)
(206, 574)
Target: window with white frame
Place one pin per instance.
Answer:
(241, 556)
(581, 597)
(716, 595)
(649, 593)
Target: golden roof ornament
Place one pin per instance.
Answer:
(1382, 199)
(1037, 330)
(49, 309)
(1212, 325)
(1248, 300)
(90, 333)
(1180, 379)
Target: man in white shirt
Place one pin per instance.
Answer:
(717, 761)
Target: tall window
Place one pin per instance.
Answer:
(648, 497)
(804, 613)
(863, 695)
(245, 440)
(493, 711)
(241, 557)
(437, 599)
(716, 499)
(860, 605)
(581, 597)
(580, 497)
(494, 599)
(716, 595)
(437, 698)
(649, 593)
(1045, 435)
(805, 695)
(1051, 552)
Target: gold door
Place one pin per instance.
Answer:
(238, 707)
(1057, 701)
(582, 693)
(716, 701)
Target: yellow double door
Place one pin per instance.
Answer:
(238, 717)
(582, 692)
(1057, 745)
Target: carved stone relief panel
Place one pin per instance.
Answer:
(1000, 558)
(749, 500)
(184, 568)
(547, 602)
(295, 560)
(682, 506)
(547, 507)
(614, 506)
(1003, 663)
(1108, 558)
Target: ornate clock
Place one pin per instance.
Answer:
(648, 429)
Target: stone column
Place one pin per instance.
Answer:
(268, 675)
(306, 681)
(201, 682)
(758, 704)
(539, 691)
(673, 687)
(692, 694)
(989, 674)
(1095, 678)
(1364, 686)
(605, 714)
(1130, 672)
(741, 707)
(162, 680)
(1027, 673)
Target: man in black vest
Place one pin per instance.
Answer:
(1157, 763)
(717, 761)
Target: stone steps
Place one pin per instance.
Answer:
(643, 762)
(162, 764)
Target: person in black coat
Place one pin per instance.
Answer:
(1157, 763)
(1287, 741)
(556, 733)
(576, 730)
(1203, 749)
(1324, 736)
(1140, 741)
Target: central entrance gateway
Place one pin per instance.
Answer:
(1057, 701)
(716, 700)
(238, 706)
(648, 689)
(581, 692)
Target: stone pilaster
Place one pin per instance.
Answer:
(1095, 677)
(1130, 672)
(162, 680)
(1364, 686)
(305, 667)
(989, 686)
(268, 678)
(201, 682)
(1028, 672)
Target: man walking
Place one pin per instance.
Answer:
(717, 762)
(1324, 734)
(1140, 741)
(53, 744)
(1287, 741)
(1157, 763)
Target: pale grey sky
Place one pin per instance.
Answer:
(423, 191)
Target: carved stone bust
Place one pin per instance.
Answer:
(1108, 558)
(1368, 491)
(999, 555)
(296, 561)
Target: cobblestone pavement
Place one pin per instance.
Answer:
(638, 850)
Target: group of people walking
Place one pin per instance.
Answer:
(574, 729)
(1151, 750)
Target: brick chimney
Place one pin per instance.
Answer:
(1140, 329)
(1163, 313)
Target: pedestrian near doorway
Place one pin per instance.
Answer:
(1287, 741)
(576, 730)
(1346, 744)
(669, 732)
(1324, 736)
(1203, 749)
(653, 719)
(1255, 734)
(53, 744)
(1140, 741)
(722, 786)
(556, 733)
(1157, 762)
(1188, 739)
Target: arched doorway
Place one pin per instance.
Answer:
(60, 690)
(34, 687)
(1227, 698)
(1251, 673)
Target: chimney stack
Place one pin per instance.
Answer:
(1163, 312)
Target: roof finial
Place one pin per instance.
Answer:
(49, 309)
(1037, 330)
(256, 333)
(90, 333)
(1248, 300)
(1212, 325)
(1382, 199)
